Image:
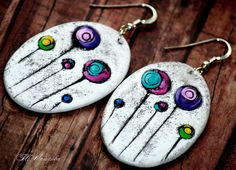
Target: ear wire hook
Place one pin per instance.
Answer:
(129, 26)
(206, 63)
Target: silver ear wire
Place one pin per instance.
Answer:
(129, 26)
(206, 63)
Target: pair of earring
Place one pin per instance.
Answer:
(153, 116)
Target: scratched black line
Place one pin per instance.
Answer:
(53, 93)
(154, 133)
(172, 147)
(131, 116)
(36, 71)
(55, 105)
(139, 132)
(109, 117)
(38, 83)
(27, 56)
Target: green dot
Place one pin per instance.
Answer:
(46, 43)
(186, 131)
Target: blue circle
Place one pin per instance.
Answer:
(183, 102)
(118, 103)
(66, 98)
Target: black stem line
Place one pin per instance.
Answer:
(38, 83)
(22, 59)
(55, 105)
(131, 116)
(172, 148)
(139, 132)
(154, 133)
(36, 71)
(53, 93)
(109, 117)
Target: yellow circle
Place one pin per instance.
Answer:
(46, 42)
(187, 130)
(49, 37)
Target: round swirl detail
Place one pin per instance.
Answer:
(186, 131)
(151, 79)
(96, 71)
(156, 82)
(46, 43)
(86, 37)
(68, 63)
(161, 106)
(188, 98)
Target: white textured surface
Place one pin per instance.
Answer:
(131, 91)
(116, 55)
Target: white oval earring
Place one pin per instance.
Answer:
(158, 112)
(70, 66)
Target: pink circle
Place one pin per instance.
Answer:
(189, 93)
(84, 35)
(164, 86)
(102, 77)
(67, 65)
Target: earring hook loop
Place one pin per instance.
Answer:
(129, 26)
(150, 20)
(206, 63)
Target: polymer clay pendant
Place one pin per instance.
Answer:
(156, 114)
(67, 67)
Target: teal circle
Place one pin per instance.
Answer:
(151, 79)
(156, 107)
(95, 68)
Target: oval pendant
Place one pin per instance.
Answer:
(67, 67)
(156, 114)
